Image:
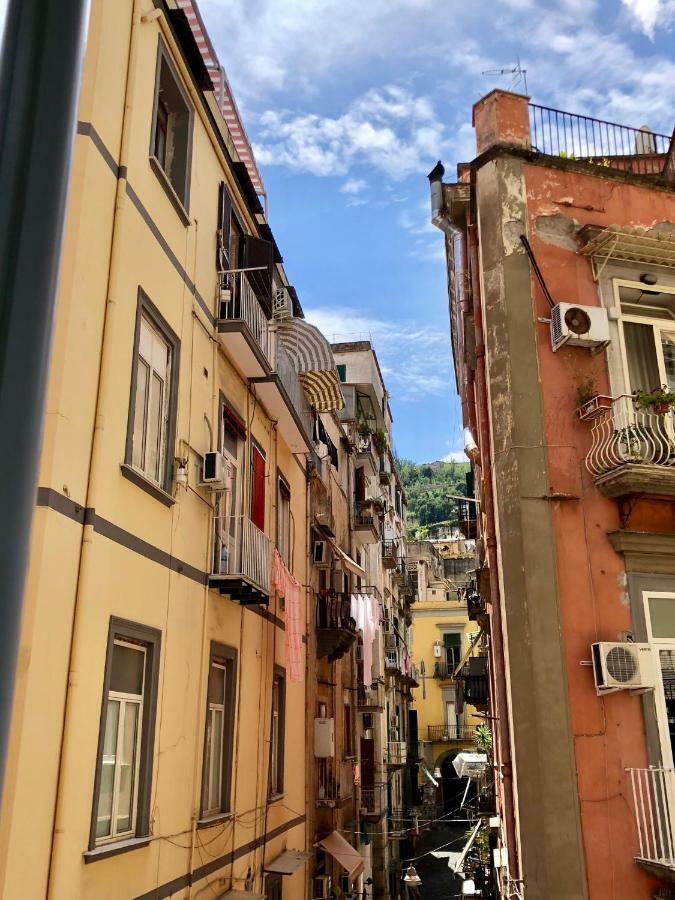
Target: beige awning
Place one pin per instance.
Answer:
(288, 862)
(342, 851)
(348, 562)
(313, 360)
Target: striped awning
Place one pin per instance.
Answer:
(313, 360)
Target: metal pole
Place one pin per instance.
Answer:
(40, 67)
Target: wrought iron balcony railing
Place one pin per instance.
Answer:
(448, 733)
(653, 806)
(571, 136)
(625, 434)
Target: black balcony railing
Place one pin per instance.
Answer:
(448, 733)
(365, 515)
(389, 552)
(571, 136)
(445, 668)
(475, 677)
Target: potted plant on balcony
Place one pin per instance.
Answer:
(590, 404)
(380, 441)
(658, 401)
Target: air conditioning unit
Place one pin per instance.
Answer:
(321, 887)
(324, 737)
(320, 553)
(216, 472)
(622, 666)
(579, 326)
(438, 650)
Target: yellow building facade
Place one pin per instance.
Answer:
(158, 680)
(443, 636)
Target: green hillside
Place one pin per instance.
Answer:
(427, 486)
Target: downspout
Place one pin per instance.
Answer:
(107, 371)
(505, 771)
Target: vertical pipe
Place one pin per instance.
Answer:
(40, 69)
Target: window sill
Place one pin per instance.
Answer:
(215, 819)
(273, 798)
(113, 849)
(176, 202)
(143, 482)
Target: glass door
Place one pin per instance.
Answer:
(660, 615)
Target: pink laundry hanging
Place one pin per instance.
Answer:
(290, 589)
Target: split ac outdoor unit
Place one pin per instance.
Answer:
(623, 666)
(216, 472)
(321, 887)
(579, 326)
(320, 553)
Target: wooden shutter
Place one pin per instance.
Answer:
(360, 485)
(257, 488)
(259, 253)
(223, 225)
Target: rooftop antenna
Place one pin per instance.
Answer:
(518, 72)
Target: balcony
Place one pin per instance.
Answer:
(415, 751)
(399, 824)
(445, 671)
(242, 326)
(476, 684)
(653, 792)
(449, 734)
(371, 698)
(335, 628)
(336, 783)
(366, 521)
(283, 396)
(396, 753)
(242, 562)
(366, 455)
(392, 661)
(373, 802)
(466, 519)
(389, 553)
(632, 450)
(399, 573)
(596, 142)
(320, 497)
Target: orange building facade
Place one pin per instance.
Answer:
(561, 273)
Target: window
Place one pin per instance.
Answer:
(277, 732)
(126, 737)
(228, 504)
(348, 742)
(219, 730)
(152, 410)
(649, 337)
(453, 649)
(273, 887)
(660, 616)
(284, 520)
(257, 500)
(171, 139)
(342, 372)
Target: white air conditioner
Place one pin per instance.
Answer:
(216, 472)
(324, 737)
(438, 650)
(622, 666)
(320, 553)
(579, 326)
(321, 887)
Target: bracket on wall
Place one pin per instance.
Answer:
(626, 507)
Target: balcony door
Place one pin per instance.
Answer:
(228, 504)
(660, 617)
(648, 336)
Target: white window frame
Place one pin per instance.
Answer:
(212, 709)
(165, 377)
(124, 699)
(658, 644)
(229, 507)
(284, 526)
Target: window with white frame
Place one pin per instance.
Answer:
(284, 520)
(171, 137)
(219, 731)
(660, 618)
(151, 401)
(648, 335)
(122, 786)
(229, 503)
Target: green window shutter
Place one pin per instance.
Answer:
(452, 640)
(342, 372)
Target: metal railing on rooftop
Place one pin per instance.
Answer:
(554, 132)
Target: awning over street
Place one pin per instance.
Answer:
(313, 360)
(347, 561)
(287, 863)
(343, 852)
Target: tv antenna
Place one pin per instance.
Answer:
(518, 72)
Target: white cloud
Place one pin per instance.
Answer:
(650, 13)
(414, 357)
(455, 456)
(353, 186)
(389, 128)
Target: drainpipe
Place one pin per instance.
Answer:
(488, 524)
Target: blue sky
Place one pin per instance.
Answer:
(349, 103)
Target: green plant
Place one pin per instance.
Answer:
(564, 155)
(481, 843)
(482, 738)
(380, 440)
(586, 391)
(658, 400)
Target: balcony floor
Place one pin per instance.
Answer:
(242, 590)
(664, 871)
(333, 642)
(238, 341)
(638, 478)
